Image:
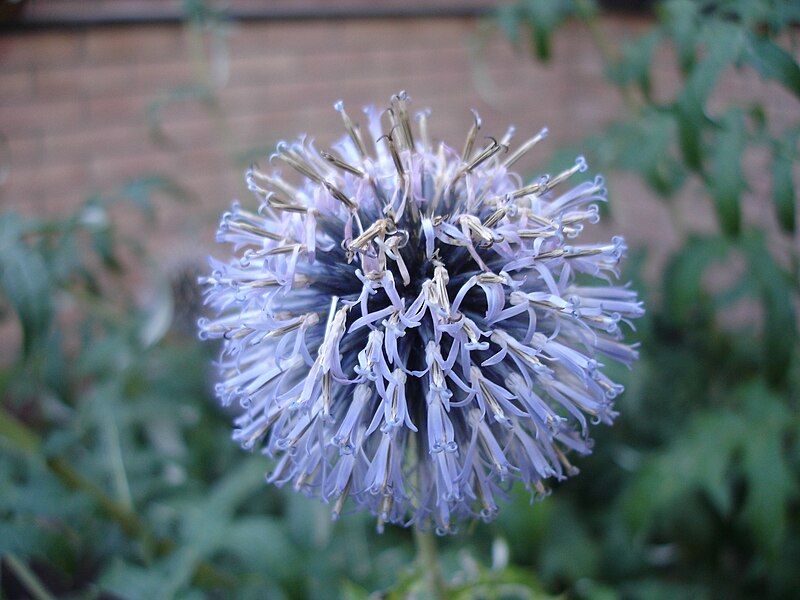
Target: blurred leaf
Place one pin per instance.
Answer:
(780, 324)
(683, 276)
(262, 545)
(772, 62)
(722, 43)
(697, 460)
(140, 192)
(129, 581)
(25, 281)
(571, 551)
(158, 313)
(509, 19)
(784, 192)
(691, 120)
(680, 18)
(542, 18)
(725, 178)
(636, 61)
(771, 484)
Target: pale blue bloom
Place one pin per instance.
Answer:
(402, 326)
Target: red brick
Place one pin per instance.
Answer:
(123, 108)
(25, 151)
(107, 171)
(142, 43)
(164, 75)
(35, 185)
(105, 140)
(80, 80)
(44, 116)
(15, 84)
(43, 48)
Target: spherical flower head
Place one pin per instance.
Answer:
(403, 328)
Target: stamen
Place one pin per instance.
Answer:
(422, 120)
(379, 228)
(338, 162)
(491, 150)
(292, 158)
(580, 166)
(535, 188)
(471, 135)
(400, 103)
(352, 129)
(483, 233)
(525, 148)
(339, 195)
(398, 164)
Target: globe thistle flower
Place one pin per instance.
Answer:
(403, 323)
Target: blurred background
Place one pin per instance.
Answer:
(125, 127)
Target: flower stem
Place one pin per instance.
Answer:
(428, 563)
(27, 578)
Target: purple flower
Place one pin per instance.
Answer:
(403, 325)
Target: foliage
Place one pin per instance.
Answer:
(704, 498)
(118, 477)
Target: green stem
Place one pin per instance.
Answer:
(428, 563)
(27, 578)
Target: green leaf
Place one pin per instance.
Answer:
(683, 277)
(634, 65)
(780, 324)
(104, 245)
(25, 282)
(542, 18)
(140, 192)
(722, 44)
(784, 193)
(691, 119)
(126, 580)
(509, 18)
(158, 313)
(771, 484)
(681, 23)
(725, 178)
(772, 62)
(262, 545)
(696, 461)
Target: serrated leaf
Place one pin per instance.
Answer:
(773, 62)
(680, 20)
(691, 120)
(684, 294)
(784, 194)
(696, 461)
(725, 177)
(780, 324)
(771, 484)
(722, 43)
(25, 282)
(634, 65)
(542, 18)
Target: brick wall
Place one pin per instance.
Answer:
(73, 107)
